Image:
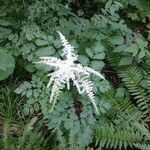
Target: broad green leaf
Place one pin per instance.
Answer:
(7, 64)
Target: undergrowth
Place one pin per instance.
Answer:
(110, 36)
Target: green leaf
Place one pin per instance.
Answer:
(104, 86)
(7, 64)
(4, 22)
(19, 90)
(99, 56)
(45, 51)
(120, 48)
(98, 47)
(97, 65)
(141, 54)
(41, 42)
(120, 92)
(80, 12)
(29, 93)
(125, 61)
(133, 48)
(83, 59)
(30, 67)
(57, 44)
(26, 111)
(89, 52)
(117, 40)
(108, 4)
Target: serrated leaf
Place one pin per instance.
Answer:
(83, 59)
(117, 40)
(98, 47)
(51, 38)
(19, 90)
(97, 65)
(129, 38)
(133, 48)
(120, 48)
(104, 86)
(29, 93)
(99, 56)
(89, 52)
(141, 54)
(26, 111)
(26, 84)
(57, 44)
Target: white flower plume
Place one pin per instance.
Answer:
(66, 70)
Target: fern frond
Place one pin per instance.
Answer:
(132, 78)
(61, 139)
(113, 59)
(110, 137)
(148, 83)
(72, 142)
(120, 103)
(142, 146)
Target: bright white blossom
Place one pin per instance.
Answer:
(66, 70)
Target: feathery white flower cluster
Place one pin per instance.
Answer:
(66, 70)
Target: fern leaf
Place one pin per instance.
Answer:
(132, 78)
(110, 137)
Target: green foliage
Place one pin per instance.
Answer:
(20, 137)
(111, 36)
(15, 132)
(110, 136)
(132, 78)
(7, 64)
